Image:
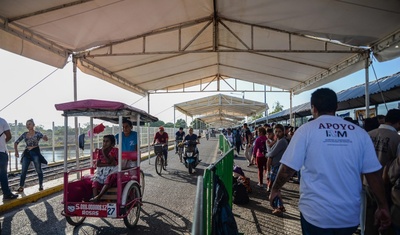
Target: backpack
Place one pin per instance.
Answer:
(239, 194)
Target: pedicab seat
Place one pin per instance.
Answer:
(129, 172)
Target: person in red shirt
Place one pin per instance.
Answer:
(161, 137)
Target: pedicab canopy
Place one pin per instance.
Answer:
(149, 46)
(105, 110)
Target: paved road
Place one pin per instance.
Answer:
(167, 206)
(167, 209)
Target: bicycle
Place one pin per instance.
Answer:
(180, 150)
(160, 159)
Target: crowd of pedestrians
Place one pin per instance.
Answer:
(338, 160)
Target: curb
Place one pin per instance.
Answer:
(9, 204)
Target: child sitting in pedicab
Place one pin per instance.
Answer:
(107, 165)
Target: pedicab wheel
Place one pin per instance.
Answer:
(159, 164)
(75, 220)
(133, 206)
(142, 183)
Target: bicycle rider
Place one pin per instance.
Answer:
(193, 137)
(161, 137)
(179, 135)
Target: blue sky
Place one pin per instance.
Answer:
(20, 74)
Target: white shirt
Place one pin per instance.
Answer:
(3, 127)
(332, 154)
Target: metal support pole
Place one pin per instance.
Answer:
(291, 107)
(367, 112)
(74, 67)
(148, 127)
(265, 100)
(53, 141)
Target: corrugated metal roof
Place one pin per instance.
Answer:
(386, 89)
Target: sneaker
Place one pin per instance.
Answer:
(40, 188)
(10, 196)
(260, 186)
(249, 164)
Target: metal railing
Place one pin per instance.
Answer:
(54, 151)
(223, 167)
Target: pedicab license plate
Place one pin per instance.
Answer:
(90, 209)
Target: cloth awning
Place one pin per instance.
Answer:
(164, 46)
(220, 110)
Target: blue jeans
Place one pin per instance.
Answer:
(396, 229)
(165, 152)
(309, 229)
(3, 173)
(25, 164)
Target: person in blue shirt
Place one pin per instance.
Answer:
(129, 137)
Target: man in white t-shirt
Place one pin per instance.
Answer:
(332, 154)
(5, 136)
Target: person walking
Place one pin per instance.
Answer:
(386, 141)
(332, 154)
(31, 153)
(5, 136)
(238, 140)
(259, 151)
(274, 156)
(248, 140)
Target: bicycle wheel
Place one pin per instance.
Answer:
(133, 206)
(142, 182)
(75, 220)
(159, 164)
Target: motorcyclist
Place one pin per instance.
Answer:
(193, 137)
(179, 135)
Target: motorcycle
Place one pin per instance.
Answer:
(191, 156)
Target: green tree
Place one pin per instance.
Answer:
(198, 124)
(255, 117)
(169, 124)
(180, 123)
(276, 108)
(157, 123)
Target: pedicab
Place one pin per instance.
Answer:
(123, 201)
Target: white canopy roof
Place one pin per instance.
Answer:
(164, 46)
(221, 110)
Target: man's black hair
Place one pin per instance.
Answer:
(128, 122)
(324, 100)
(393, 116)
(111, 138)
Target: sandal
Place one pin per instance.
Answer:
(20, 189)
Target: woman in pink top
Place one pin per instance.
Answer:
(259, 154)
